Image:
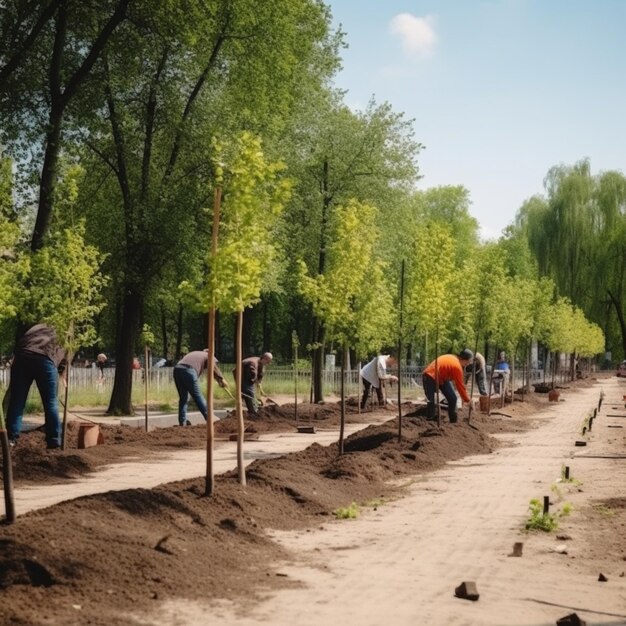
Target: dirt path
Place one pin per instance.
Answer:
(400, 564)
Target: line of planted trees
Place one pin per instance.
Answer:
(118, 121)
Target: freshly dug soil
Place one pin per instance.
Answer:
(93, 559)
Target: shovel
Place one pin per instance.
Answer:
(245, 395)
(263, 395)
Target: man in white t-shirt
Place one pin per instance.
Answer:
(374, 374)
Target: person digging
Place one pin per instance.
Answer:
(374, 376)
(443, 372)
(252, 372)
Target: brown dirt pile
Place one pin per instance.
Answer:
(88, 560)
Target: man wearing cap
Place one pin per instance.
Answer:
(442, 372)
(186, 374)
(478, 368)
(252, 372)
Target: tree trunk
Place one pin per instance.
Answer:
(164, 336)
(218, 336)
(267, 327)
(247, 345)
(318, 361)
(179, 333)
(48, 178)
(121, 396)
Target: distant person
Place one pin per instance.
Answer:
(38, 357)
(478, 368)
(446, 372)
(253, 369)
(501, 372)
(374, 375)
(186, 375)
(101, 360)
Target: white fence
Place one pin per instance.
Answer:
(276, 379)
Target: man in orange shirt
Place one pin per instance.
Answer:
(442, 372)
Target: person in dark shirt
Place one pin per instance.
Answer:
(186, 374)
(38, 357)
(252, 374)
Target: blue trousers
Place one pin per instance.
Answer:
(43, 371)
(447, 388)
(186, 381)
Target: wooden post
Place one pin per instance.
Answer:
(400, 353)
(342, 421)
(546, 504)
(566, 476)
(210, 478)
(295, 375)
(145, 382)
(7, 468)
(240, 426)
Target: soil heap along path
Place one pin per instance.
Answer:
(274, 553)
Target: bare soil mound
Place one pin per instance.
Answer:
(89, 560)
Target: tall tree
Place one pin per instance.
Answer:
(48, 54)
(367, 156)
(169, 83)
(255, 193)
(350, 298)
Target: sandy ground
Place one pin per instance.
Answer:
(401, 563)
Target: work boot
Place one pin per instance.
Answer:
(430, 411)
(454, 418)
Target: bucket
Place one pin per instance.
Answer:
(484, 403)
(553, 395)
(88, 435)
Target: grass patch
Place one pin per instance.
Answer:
(603, 510)
(347, 512)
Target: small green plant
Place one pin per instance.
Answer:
(546, 522)
(375, 502)
(348, 512)
(554, 488)
(571, 480)
(604, 510)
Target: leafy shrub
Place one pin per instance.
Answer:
(546, 522)
(348, 512)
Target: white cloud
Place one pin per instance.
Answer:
(417, 34)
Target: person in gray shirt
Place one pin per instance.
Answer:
(187, 372)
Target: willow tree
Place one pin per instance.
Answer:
(610, 265)
(255, 191)
(578, 236)
(351, 297)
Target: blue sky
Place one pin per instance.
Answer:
(500, 90)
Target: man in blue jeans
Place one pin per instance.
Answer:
(186, 374)
(37, 357)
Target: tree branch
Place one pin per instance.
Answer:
(20, 52)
